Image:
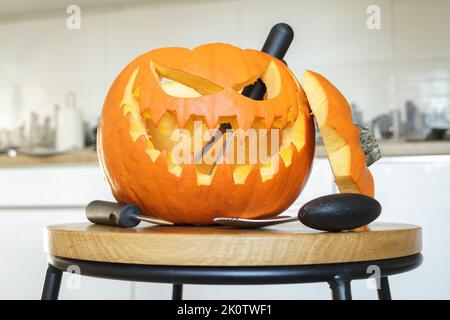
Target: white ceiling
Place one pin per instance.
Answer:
(23, 9)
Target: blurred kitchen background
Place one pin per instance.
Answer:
(54, 78)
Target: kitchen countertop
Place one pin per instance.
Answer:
(402, 148)
(89, 156)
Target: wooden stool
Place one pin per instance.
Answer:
(218, 255)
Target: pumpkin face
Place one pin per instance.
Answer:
(143, 110)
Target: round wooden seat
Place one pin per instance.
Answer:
(290, 244)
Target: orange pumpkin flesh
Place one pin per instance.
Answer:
(142, 111)
(341, 137)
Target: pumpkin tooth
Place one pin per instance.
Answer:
(129, 102)
(182, 117)
(254, 176)
(173, 167)
(222, 176)
(189, 173)
(269, 120)
(154, 154)
(204, 179)
(241, 137)
(137, 128)
(287, 153)
(161, 160)
(146, 115)
(135, 84)
(137, 92)
(156, 113)
(143, 80)
(149, 145)
(131, 112)
(294, 132)
(245, 120)
(279, 123)
(290, 116)
(241, 172)
(211, 119)
(267, 171)
(167, 124)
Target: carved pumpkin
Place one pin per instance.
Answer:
(142, 110)
(340, 136)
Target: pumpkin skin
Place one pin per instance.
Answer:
(134, 152)
(340, 135)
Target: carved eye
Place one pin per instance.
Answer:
(270, 79)
(179, 83)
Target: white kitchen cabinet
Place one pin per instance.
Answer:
(24, 260)
(417, 190)
(47, 186)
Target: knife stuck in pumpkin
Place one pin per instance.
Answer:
(277, 43)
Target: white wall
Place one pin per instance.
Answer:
(409, 58)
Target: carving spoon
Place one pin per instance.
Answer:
(253, 223)
(334, 212)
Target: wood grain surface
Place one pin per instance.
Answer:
(290, 244)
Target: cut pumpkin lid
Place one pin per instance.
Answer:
(340, 135)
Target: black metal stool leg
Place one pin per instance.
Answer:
(52, 283)
(384, 293)
(340, 288)
(177, 291)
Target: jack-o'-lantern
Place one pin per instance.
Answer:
(169, 89)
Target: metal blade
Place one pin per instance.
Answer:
(214, 138)
(153, 220)
(223, 151)
(253, 223)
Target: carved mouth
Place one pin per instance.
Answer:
(160, 131)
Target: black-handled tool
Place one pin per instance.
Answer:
(335, 212)
(277, 43)
(118, 215)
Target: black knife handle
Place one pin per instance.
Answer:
(277, 43)
(113, 214)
